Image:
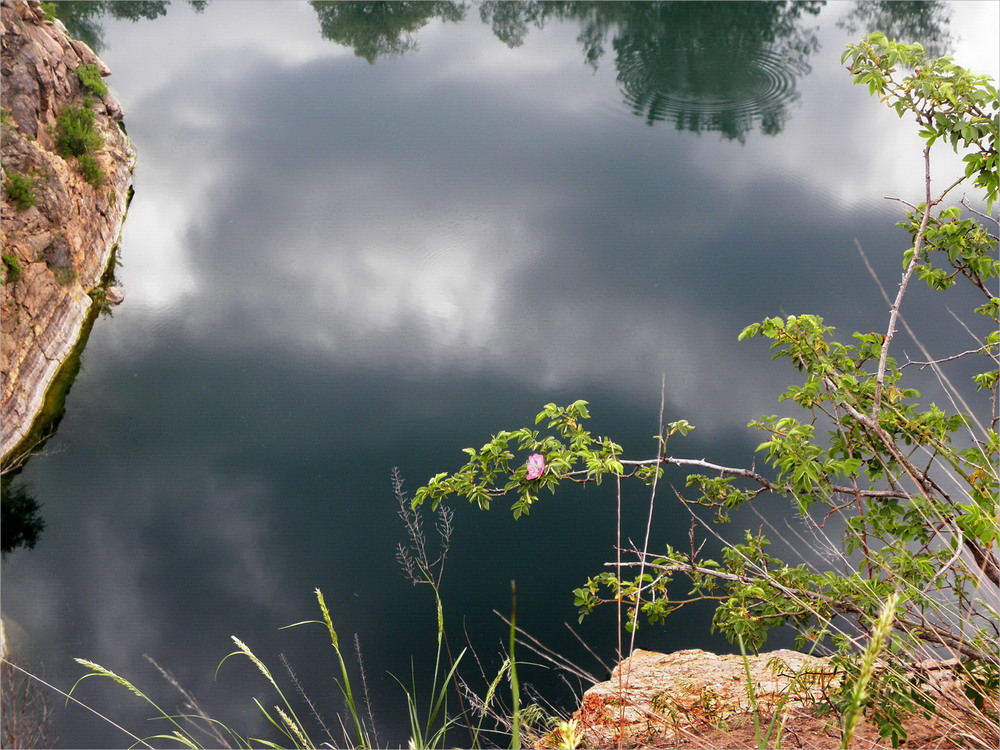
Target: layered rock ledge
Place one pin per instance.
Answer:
(56, 252)
(652, 695)
(697, 699)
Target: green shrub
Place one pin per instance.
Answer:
(20, 190)
(90, 169)
(90, 78)
(49, 9)
(12, 268)
(75, 132)
(916, 488)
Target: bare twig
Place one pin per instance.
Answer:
(942, 360)
(980, 214)
(649, 517)
(921, 630)
(556, 659)
(903, 284)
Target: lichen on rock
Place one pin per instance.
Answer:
(55, 252)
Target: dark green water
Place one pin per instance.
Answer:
(341, 263)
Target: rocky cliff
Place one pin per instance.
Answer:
(62, 213)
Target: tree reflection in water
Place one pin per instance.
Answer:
(707, 66)
(727, 67)
(374, 29)
(21, 522)
(81, 17)
(907, 20)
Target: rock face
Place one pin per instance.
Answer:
(696, 699)
(653, 695)
(55, 252)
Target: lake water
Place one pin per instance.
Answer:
(349, 252)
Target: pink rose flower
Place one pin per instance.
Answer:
(536, 465)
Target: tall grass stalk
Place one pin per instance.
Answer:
(774, 728)
(422, 567)
(485, 703)
(652, 502)
(361, 739)
(199, 720)
(859, 694)
(429, 729)
(96, 670)
(427, 732)
(294, 736)
(138, 741)
(364, 691)
(515, 688)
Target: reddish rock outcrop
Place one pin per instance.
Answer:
(653, 695)
(696, 699)
(56, 251)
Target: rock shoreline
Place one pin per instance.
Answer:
(57, 253)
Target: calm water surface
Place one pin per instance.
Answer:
(350, 252)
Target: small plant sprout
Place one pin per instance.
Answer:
(90, 78)
(76, 134)
(20, 189)
(567, 735)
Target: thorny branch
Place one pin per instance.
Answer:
(583, 476)
(922, 630)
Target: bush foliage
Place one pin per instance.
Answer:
(21, 190)
(917, 486)
(75, 132)
(89, 76)
(11, 268)
(90, 169)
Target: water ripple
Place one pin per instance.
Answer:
(730, 93)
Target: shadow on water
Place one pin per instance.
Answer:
(22, 520)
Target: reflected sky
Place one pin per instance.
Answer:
(410, 217)
(334, 267)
